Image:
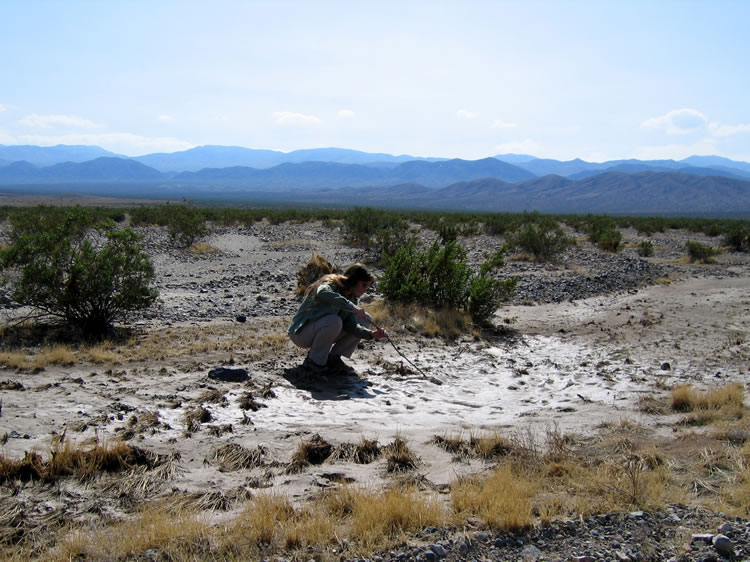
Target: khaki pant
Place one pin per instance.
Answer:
(323, 336)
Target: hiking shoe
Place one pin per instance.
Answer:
(313, 368)
(336, 363)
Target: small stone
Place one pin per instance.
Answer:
(430, 556)
(482, 536)
(725, 528)
(723, 545)
(438, 550)
(531, 553)
(703, 537)
(666, 366)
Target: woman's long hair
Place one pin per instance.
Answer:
(344, 281)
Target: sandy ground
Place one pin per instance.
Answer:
(571, 366)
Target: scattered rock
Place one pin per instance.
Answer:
(228, 374)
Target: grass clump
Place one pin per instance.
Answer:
(195, 417)
(706, 407)
(503, 501)
(313, 451)
(399, 457)
(173, 534)
(488, 446)
(68, 460)
(377, 518)
(316, 268)
(233, 456)
(364, 452)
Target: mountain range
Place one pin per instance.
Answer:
(699, 185)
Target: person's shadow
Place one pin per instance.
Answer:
(334, 386)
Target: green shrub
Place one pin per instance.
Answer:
(186, 225)
(382, 232)
(646, 249)
(609, 240)
(440, 277)
(88, 275)
(544, 239)
(703, 253)
(738, 238)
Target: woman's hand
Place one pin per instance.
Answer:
(379, 334)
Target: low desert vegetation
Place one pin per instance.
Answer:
(646, 249)
(69, 460)
(524, 478)
(85, 273)
(440, 278)
(701, 253)
(542, 238)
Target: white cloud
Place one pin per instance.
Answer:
(290, 118)
(49, 121)
(122, 143)
(718, 130)
(466, 114)
(500, 124)
(678, 122)
(346, 114)
(526, 146)
(3, 107)
(164, 118)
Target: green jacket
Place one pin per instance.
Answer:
(328, 300)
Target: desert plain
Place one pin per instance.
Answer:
(587, 341)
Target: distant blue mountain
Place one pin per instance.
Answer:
(100, 169)
(705, 185)
(287, 176)
(49, 155)
(579, 169)
(201, 157)
(311, 175)
(634, 167)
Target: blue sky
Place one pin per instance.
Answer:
(599, 79)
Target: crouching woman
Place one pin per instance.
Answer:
(330, 321)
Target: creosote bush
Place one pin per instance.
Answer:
(381, 232)
(702, 253)
(543, 238)
(440, 277)
(646, 249)
(88, 274)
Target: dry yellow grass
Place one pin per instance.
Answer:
(179, 536)
(378, 518)
(504, 501)
(156, 345)
(202, 248)
(723, 403)
(448, 324)
(486, 445)
(67, 459)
